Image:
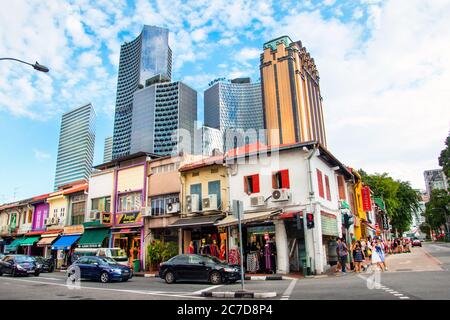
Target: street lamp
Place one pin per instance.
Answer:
(36, 65)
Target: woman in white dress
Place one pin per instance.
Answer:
(376, 258)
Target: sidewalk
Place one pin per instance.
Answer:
(418, 260)
(248, 276)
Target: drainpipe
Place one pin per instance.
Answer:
(310, 199)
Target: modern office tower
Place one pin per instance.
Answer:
(76, 145)
(235, 108)
(291, 93)
(212, 141)
(144, 57)
(164, 116)
(435, 179)
(107, 151)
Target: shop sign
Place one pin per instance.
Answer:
(77, 229)
(106, 218)
(129, 218)
(366, 201)
(385, 222)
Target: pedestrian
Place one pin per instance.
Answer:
(358, 256)
(342, 253)
(332, 254)
(376, 258)
(381, 252)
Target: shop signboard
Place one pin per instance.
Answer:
(106, 218)
(385, 222)
(366, 201)
(76, 229)
(129, 218)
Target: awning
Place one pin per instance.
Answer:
(14, 245)
(345, 205)
(29, 241)
(379, 202)
(196, 221)
(248, 217)
(93, 238)
(65, 242)
(46, 241)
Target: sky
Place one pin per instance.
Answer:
(384, 72)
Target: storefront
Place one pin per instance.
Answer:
(201, 236)
(28, 244)
(15, 246)
(46, 241)
(293, 222)
(330, 233)
(96, 235)
(129, 240)
(62, 249)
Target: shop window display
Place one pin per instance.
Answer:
(261, 249)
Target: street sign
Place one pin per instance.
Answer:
(238, 210)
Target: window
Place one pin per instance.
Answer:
(30, 216)
(341, 188)
(63, 211)
(101, 204)
(195, 259)
(78, 211)
(77, 219)
(214, 188)
(197, 189)
(251, 184)
(327, 185)
(280, 180)
(320, 183)
(195, 174)
(130, 202)
(159, 203)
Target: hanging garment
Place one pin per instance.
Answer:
(267, 257)
(234, 257)
(214, 250)
(252, 262)
(223, 252)
(191, 249)
(205, 249)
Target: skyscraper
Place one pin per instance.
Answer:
(162, 112)
(435, 179)
(234, 104)
(76, 145)
(291, 93)
(107, 150)
(144, 57)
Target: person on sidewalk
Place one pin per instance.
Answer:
(358, 256)
(342, 253)
(332, 255)
(376, 258)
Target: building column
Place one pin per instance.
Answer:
(282, 247)
(319, 254)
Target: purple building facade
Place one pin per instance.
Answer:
(40, 214)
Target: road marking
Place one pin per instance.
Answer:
(398, 294)
(404, 297)
(199, 292)
(155, 293)
(288, 291)
(56, 279)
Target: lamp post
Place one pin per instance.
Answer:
(36, 65)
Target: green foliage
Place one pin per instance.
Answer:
(438, 208)
(425, 228)
(401, 200)
(159, 251)
(444, 158)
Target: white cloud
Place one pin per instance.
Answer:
(41, 155)
(89, 59)
(246, 54)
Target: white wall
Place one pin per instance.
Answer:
(100, 185)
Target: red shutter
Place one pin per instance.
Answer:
(327, 184)
(245, 185)
(274, 180)
(320, 183)
(341, 187)
(285, 179)
(255, 183)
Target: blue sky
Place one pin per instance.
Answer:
(384, 71)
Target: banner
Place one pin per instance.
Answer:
(366, 201)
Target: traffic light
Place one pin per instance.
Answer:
(310, 220)
(348, 220)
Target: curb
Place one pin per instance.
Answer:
(435, 260)
(146, 275)
(265, 278)
(251, 295)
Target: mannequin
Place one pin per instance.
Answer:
(191, 249)
(223, 250)
(214, 249)
(204, 249)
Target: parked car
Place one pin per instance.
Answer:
(19, 264)
(194, 267)
(104, 269)
(1, 256)
(47, 264)
(117, 254)
(417, 243)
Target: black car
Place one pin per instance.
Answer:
(47, 264)
(104, 269)
(194, 267)
(1, 256)
(19, 264)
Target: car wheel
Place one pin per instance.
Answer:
(1, 273)
(104, 277)
(169, 277)
(215, 278)
(37, 273)
(13, 273)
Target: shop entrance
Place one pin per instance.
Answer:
(131, 244)
(260, 249)
(205, 240)
(296, 245)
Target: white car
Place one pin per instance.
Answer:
(117, 254)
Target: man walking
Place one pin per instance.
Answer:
(342, 253)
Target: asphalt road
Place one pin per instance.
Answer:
(423, 274)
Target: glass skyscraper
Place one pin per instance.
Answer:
(235, 105)
(76, 145)
(144, 57)
(107, 150)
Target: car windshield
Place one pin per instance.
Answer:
(109, 261)
(21, 259)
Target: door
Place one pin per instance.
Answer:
(6, 264)
(93, 268)
(180, 267)
(197, 189)
(197, 269)
(214, 188)
(83, 265)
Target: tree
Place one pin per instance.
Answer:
(401, 200)
(444, 158)
(437, 209)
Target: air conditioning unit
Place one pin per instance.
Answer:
(146, 211)
(94, 215)
(172, 208)
(210, 202)
(280, 195)
(257, 201)
(192, 203)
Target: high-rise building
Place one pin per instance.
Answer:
(435, 179)
(291, 93)
(76, 145)
(107, 150)
(212, 141)
(141, 59)
(163, 119)
(235, 108)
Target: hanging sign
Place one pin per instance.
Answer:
(366, 201)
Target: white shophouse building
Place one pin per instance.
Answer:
(279, 189)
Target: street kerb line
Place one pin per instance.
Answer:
(199, 292)
(290, 288)
(155, 293)
(429, 255)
